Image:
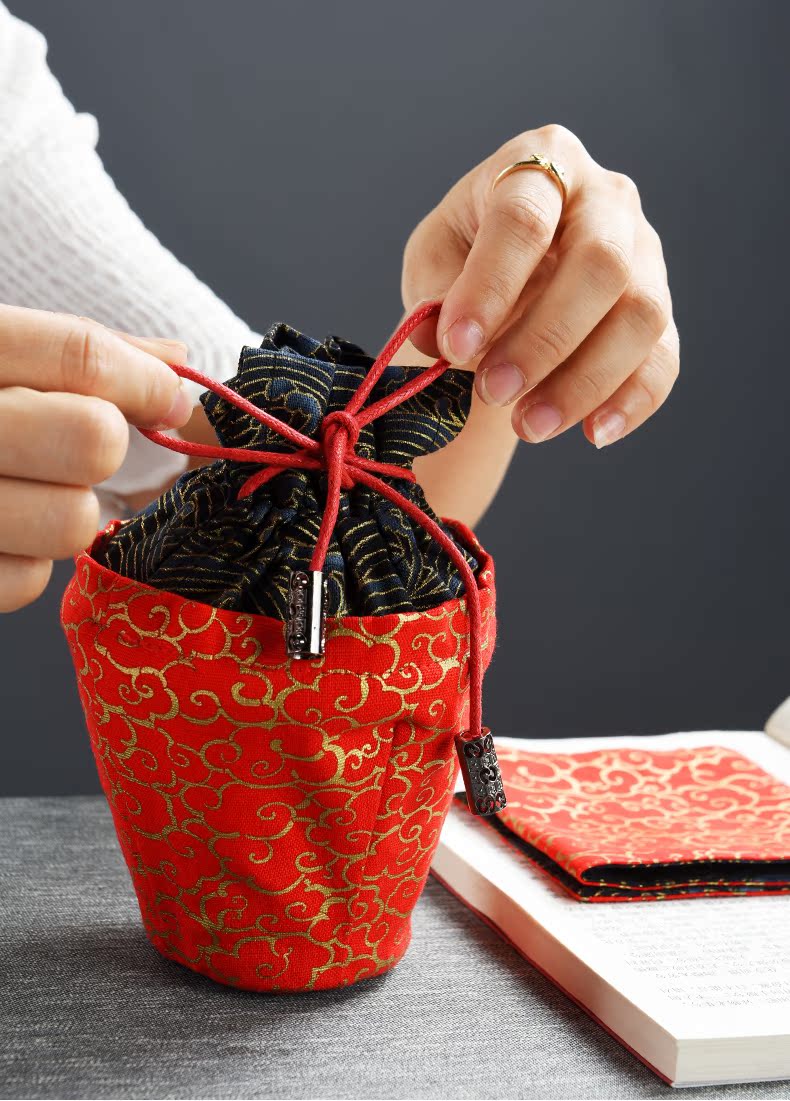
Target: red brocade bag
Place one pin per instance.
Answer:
(279, 816)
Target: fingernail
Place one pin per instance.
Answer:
(607, 428)
(462, 341)
(180, 350)
(180, 411)
(539, 421)
(175, 350)
(501, 384)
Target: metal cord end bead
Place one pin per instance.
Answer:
(305, 627)
(480, 770)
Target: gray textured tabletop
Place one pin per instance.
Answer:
(89, 1010)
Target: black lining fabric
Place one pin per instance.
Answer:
(200, 541)
(645, 882)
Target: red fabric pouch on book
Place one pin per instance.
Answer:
(627, 825)
(278, 788)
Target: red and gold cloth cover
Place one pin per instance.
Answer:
(625, 825)
(278, 817)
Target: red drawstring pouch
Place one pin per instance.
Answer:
(280, 662)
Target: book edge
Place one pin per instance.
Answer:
(579, 974)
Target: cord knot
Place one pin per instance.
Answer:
(340, 421)
(339, 435)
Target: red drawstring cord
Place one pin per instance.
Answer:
(335, 453)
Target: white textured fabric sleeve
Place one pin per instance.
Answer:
(70, 242)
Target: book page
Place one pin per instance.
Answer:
(700, 967)
(704, 957)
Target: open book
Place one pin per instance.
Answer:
(698, 988)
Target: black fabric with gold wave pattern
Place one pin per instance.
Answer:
(200, 541)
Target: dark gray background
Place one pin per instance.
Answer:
(285, 151)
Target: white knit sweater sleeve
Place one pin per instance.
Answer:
(70, 242)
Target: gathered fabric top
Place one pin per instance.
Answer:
(230, 536)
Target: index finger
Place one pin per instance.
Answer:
(60, 352)
(517, 228)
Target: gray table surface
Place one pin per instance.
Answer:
(89, 1010)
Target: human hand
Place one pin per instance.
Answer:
(68, 387)
(565, 308)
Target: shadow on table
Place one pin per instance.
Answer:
(119, 958)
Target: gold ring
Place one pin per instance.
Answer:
(543, 164)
